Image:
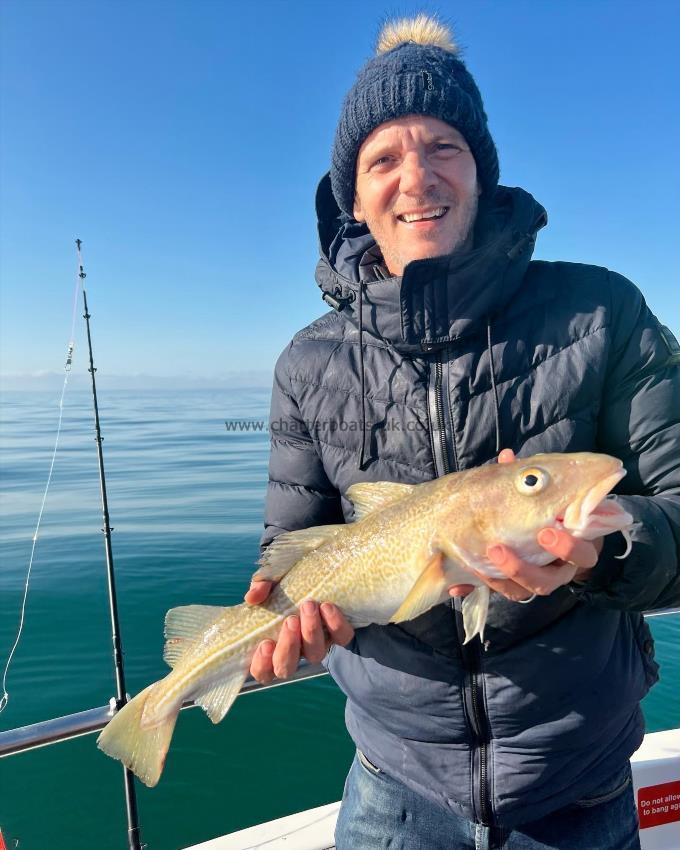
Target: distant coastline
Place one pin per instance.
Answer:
(48, 381)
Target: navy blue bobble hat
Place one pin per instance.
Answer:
(417, 71)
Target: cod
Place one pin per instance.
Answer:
(407, 545)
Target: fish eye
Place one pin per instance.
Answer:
(532, 480)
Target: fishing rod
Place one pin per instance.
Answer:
(134, 838)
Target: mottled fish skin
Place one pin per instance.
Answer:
(410, 543)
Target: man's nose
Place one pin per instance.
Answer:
(417, 176)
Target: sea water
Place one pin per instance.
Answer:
(186, 500)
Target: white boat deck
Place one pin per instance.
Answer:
(309, 830)
(656, 776)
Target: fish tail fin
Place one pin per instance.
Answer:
(142, 749)
(475, 610)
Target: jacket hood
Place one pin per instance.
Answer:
(437, 300)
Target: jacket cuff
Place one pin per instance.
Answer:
(636, 582)
(605, 573)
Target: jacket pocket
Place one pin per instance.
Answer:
(367, 764)
(326, 660)
(645, 644)
(608, 790)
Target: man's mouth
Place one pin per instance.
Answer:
(424, 215)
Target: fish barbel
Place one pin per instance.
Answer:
(407, 545)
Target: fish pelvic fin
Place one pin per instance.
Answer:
(218, 698)
(183, 625)
(429, 589)
(288, 548)
(141, 749)
(475, 610)
(373, 496)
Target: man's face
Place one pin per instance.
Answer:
(409, 168)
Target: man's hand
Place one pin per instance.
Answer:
(574, 559)
(308, 635)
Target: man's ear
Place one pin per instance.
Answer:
(357, 211)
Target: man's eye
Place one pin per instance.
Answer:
(447, 146)
(383, 160)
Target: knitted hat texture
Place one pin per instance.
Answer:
(417, 72)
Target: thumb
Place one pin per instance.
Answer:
(258, 593)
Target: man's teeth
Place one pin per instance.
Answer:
(409, 217)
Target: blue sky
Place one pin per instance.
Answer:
(182, 141)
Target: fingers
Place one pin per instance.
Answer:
(508, 588)
(461, 589)
(539, 580)
(339, 630)
(274, 659)
(286, 656)
(572, 557)
(313, 636)
(261, 667)
(580, 553)
(300, 635)
(506, 456)
(259, 591)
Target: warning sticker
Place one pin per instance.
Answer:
(659, 804)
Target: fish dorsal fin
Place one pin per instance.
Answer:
(429, 589)
(183, 625)
(372, 496)
(217, 699)
(288, 548)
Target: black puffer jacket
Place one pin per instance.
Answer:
(461, 356)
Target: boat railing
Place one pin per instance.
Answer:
(74, 725)
(91, 720)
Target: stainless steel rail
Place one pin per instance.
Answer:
(94, 719)
(662, 613)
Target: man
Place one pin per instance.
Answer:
(445, 343)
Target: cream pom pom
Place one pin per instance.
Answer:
(420, 30)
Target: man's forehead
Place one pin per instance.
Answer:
(423, 127)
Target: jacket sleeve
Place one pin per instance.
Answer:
(299, 494)
(639, 422)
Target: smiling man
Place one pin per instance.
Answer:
(416, 190)
(447, 341)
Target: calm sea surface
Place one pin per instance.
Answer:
(186, 501)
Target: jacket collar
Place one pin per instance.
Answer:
(437, 300)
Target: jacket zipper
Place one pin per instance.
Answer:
(473, 698)
(439, 394)
(440, 451)
(482, 733)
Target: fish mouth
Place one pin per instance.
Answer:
(593, 514)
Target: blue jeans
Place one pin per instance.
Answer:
(379, 812)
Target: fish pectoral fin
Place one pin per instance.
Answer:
(217, 699)
(372, 496)
(457, 555)
(429, 589)
(183, 625)
(475, 610)
(288, 548)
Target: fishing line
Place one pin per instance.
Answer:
(4, 699)
(132, 816)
